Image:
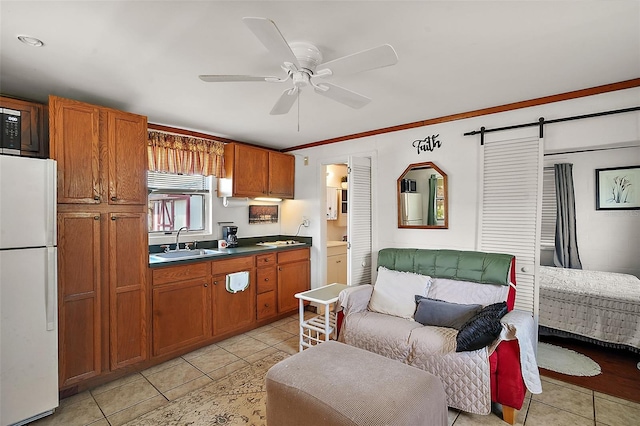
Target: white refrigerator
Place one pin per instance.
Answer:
(411, 203)
(28, 290)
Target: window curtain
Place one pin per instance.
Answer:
(431, 213)
(566, 242)
(185, 155)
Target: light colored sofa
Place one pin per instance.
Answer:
(500, 372)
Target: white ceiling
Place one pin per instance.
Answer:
(454, 56)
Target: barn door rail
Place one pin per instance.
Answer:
(541, 122)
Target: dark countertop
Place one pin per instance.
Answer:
(246, 247)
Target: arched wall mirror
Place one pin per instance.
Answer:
(422, 197)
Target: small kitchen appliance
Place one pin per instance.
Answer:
(229, 233)
(11, 131)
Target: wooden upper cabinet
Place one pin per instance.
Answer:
(126, 136)
(34, 127)
(281, 175)
(256, 172)
(75, 144)
(101, 153)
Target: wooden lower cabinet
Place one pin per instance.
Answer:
(127, 289)
(79, 296)
(232, 311)
(293, 277)
(102, 293)
(181, 315)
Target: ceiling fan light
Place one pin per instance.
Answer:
(31, 41)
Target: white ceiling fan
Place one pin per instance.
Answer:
(302, 62)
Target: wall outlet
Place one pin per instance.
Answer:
(305, 222)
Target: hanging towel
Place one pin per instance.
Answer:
(238, 281)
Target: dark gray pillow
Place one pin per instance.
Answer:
(443, 314)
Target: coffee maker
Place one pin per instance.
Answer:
(229, 233)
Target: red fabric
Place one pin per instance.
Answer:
(507, 386)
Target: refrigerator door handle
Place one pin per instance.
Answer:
(51, 201)
(50, 287)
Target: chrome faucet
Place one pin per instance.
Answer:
(178, 237)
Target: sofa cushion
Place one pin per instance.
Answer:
(482, 329)
(394, 292)
(444, 314)
(466, 292)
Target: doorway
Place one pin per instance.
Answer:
(337, 223)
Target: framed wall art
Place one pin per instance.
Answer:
(263, 214)
(618, 188)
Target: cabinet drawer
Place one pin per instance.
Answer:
(336, 250)
(266, 306)
(265, 259)
(180, 273)
(236, 264)
(293, 255)
(267, 279)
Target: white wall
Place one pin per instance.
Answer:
(608, 240)
(458, 157)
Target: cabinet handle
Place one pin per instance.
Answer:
(96, 197)
(266, 260)
(96, 218)
(113, 218)
(266, 279)
(266, 305)
(206, 284)
(280, 269)
(215, 283)
(114, 199)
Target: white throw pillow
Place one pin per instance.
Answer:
(394, 292)
(466, 292)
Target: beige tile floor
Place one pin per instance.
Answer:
(125, 399)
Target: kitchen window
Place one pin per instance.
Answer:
(177, 200)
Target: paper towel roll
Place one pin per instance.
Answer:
(235, 202)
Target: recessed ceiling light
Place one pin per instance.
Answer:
(31, 41)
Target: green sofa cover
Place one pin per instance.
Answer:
(480, 267)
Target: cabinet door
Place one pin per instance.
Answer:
(79, 303)
(292, 278)
(181, 315)
(232, 311)
(127, 153)
(250, 171)
(74, 128)
(128, 262)
(281, 175)
(341, 268)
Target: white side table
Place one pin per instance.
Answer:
(321, 327)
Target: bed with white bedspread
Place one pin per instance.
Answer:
(603, 307)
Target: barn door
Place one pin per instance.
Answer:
(511, 203)
(359, 220)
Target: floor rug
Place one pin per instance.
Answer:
(237, 399)
(566, 361)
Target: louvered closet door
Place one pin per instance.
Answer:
(511, 202)
(359, 218)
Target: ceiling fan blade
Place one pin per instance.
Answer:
(231, 78)
(377, 57)
(269, 34)
(342, 95)
(286, 101)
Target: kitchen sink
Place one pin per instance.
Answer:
(185, 254)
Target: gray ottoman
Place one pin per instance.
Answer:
(334, 384)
